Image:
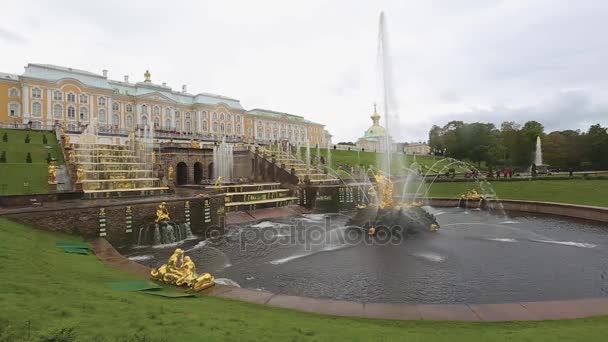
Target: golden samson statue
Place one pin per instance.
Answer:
(180, 270)
(162, 214)
(52, 172)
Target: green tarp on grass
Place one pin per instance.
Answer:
(168, 294)
(135, 285)
(72, 244)
(76, 250)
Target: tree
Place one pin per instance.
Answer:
(596, 143)
(44, 139)
(3, 157)
(28, 158)
(5, 137)
(27, 138)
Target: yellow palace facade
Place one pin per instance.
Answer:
(48, 95)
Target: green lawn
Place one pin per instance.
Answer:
(589, 192)
(16, 172)
(46, 294)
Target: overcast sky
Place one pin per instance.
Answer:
(470, 60)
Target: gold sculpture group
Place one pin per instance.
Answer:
(180, 270)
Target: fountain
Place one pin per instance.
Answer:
(538, 154)
(223, 161)
(163, 230)
(538, 167)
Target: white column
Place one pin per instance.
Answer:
(49, 115)
(25, 106)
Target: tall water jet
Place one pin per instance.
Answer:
(307, 156)
(328, 159)
(386, 95)
(538, 155)
(223, 161)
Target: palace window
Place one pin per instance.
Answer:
(84, 114)
(36, 124)
(229, 128)
(187, 126)
(129, 108)
(268, 134)
(71, 113)
(205, 126)
(204, 114)
(156, 122)
(214, 116)
(168, 111)
(275, 133)
(178, 126)
(71, 97)
(14, 109)
(115, 106)
(84, 98)
(214, 126)
(239, 118)
(144, 121)
(260, 132)
(167, 123)
(239, 129)
(37, 109)
(71, 127)
(13, 92)
(222, 117)
(229, 117)
(177, 114)
(144, 109)
(57, 111)
(115, 120)
(187, 115)
(129, 121)
(101, 101)
(57, 95)
(222, 128)
(102, 115)
(156, 110)
(249, 131)
(37, 93)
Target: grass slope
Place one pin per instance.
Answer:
(48, 295)
(15, 172)
(588, 192)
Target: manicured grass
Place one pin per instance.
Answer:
(589, 192)
(44, 292)
(16, 173)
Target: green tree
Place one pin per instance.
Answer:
(28, 158)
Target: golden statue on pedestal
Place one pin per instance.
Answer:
(385, 191)
(52, 172)
(180, 270)
(79, 174)
(170, 173)
(162, 214)
(147, 76)
(71, 157)
(153, 157)
(472, 195)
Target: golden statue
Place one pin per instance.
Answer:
(52, 172)
(195, 143)
(371, 231)
(385, 191)
(170, 173)
(147, 76)
(218, 182)
(162, 214)
(434, 227)
(180, 270)
(71, 157)
(153, 157)
(66, 140)
(472, 195)
(79, 174)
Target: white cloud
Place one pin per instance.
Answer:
(463, 59)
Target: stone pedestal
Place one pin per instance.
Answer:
(53, 187)
(78, 186)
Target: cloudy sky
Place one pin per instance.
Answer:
(470, 60)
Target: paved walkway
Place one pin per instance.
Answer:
(521, 311)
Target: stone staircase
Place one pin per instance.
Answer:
(239, 197)
(311, 174)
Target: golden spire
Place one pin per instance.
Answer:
(375, 117)
(147, 76)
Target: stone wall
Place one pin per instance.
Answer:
(85, 221)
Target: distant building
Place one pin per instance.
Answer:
(417, 148)
(375, 139)
(46, 95)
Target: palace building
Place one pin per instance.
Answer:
(48, 95)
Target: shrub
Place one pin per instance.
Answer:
(48, 157)
(5, 137)
(27, 138)
(28, 158)
(3, 157)
(44, 139)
